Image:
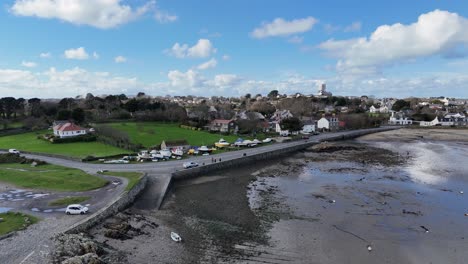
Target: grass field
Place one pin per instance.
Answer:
(15, 221)
(29, 142)
(49, 177)
(69, 200)
(133, 177)
(153, 133)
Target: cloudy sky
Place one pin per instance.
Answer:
(57, 48)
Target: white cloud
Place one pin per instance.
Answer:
(435, 33)
(164, 17)
(120, 59)
(281, 27)
(329, 28)
(226, 80)
(45, 55)
(54, 83)
(355, 26)
(296, 40)
(189, 79)
(207, 65)
(95, 55)
(204, 48)
(76, 54)
(226, 57)
(67, 83)
(97, 13)
(29, 64)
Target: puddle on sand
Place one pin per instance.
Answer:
(4, 209)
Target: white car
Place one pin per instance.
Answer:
(190, 164)
(13, 151)
(76, 209)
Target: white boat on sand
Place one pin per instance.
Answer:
(176, 237)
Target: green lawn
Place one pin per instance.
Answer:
(13, 125)
(153, 133)
(15, 221)
(49, 177)
(133, 177)
(69, 200)
(29, 142)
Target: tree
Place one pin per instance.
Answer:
(78, 115)
(262, 107)
(273, 94)
(9, 106)
(64, 114)
(34, 107)
(400, 104)
(66, 103)
(291, 124)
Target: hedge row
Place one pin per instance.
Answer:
(190, 127)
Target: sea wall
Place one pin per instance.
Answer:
(117, 205)
(249, 159)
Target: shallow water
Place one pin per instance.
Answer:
(382, 206)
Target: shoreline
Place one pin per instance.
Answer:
(281, 211)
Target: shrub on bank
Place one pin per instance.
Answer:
(15, 158)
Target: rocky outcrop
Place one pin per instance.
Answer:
(71, 248)
(89, 258)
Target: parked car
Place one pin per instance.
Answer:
(190, 164)
(13, 151)
(76, 209)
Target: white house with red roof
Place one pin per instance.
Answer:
(68, 129)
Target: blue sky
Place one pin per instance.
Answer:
(51, 48)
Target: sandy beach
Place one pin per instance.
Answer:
(391, 197)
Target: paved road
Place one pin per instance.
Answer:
(157, 171)
(170, 166)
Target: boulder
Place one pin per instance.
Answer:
(90, 258)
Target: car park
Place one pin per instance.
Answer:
(190, 164)
(76, 209)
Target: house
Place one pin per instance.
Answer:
(330, 123)
(399, 118)
(250, 115)
(308, 127)
(223, 126)
(68, 129)
(453, 120)
(175, 144)
(279, 115)
(383, 109)
(434, 122)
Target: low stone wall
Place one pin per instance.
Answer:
(242, 160)
(117, 205)
(249, 159)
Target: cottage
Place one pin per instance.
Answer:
(223, 126)
(330, 123)
(68, 129)
(434, 122)
(308, 127)
(399, 118)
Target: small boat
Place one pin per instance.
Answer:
(222, 143)
(204, 149)
(177, 152)
(176, 237)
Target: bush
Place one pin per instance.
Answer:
(14, 158)
(83, 138)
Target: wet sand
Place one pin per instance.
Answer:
(324, 205)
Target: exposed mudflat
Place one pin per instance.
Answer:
(364, 201)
